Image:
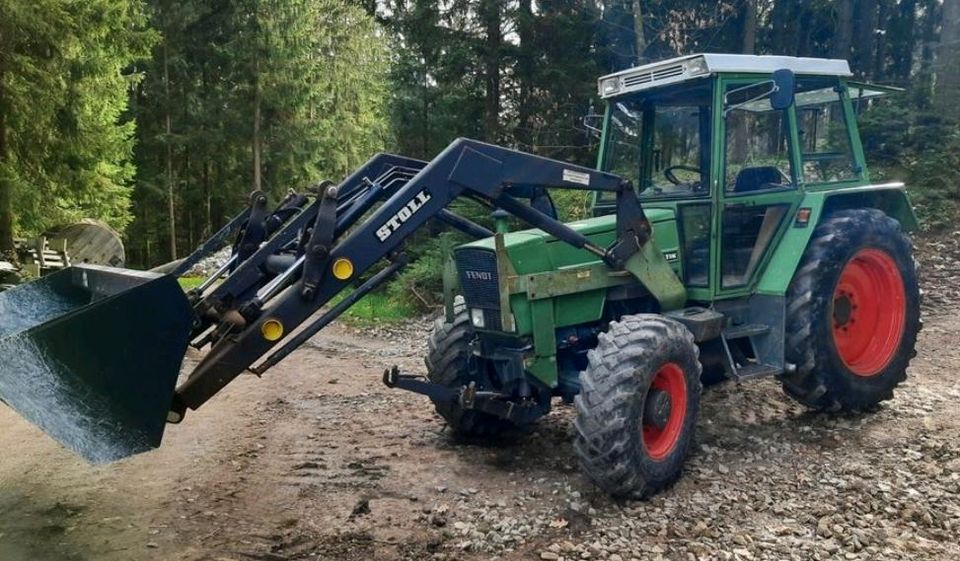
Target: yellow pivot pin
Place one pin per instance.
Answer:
(272, 330)
(342, 268)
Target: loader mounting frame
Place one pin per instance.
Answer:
(322, 247)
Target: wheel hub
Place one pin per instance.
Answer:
(843, 308)
(869, 312)
(656, 409)
(664, 410)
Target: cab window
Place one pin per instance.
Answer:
(757, 147)
(757, 159)
(660, 141)
(824, 140)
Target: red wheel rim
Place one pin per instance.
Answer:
(869, 307)
(659, 442)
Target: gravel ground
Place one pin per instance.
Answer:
(940, 269)
(318, 460)
(209, 265)
(768, 480)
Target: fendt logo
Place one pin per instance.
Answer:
(479, 275)
(402, 215)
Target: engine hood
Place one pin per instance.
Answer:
(535, 250)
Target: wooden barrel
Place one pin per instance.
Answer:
(90, 241)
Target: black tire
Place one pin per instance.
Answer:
(614, 392)
(447, 364)
(713, 376)
(824, 379)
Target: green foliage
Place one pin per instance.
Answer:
(65, 69)
(419, 285)
(315, 71)
(378, 307)
(188, 283)
(419, 288)
(922, 150)
(314, 87)
(571, 205)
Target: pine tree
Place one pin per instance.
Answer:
(260, 94)
(65, 145)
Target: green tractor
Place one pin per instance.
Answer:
(736, 234)
(793, 265)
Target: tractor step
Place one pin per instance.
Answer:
(756, 370)
(705, 324)
(745, 330)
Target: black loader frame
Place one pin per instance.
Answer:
(320, 248)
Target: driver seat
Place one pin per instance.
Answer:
(755, 179)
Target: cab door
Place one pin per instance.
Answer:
(758, 187)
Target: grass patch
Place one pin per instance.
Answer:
(375, 307)
(187, 283)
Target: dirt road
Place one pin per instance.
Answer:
(320, 461)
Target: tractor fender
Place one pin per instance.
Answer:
(891, 198)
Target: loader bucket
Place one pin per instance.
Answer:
(91, 356)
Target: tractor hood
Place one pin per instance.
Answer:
(534, 250)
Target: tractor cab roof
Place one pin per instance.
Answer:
(696, 66)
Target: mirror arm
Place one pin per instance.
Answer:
(773, 89)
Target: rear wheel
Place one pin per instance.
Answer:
(448, 364)
(638, 405)
(853, 313)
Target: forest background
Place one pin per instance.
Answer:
(160, 117)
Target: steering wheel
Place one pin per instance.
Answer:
(668, 173)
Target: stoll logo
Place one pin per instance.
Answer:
(408, 210)
(479, 275)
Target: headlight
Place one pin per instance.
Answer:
(610, 86)
(476, 318)
(697, 66)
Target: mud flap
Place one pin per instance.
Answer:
(91, 355)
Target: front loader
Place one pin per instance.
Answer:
(735, 235)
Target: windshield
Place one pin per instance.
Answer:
(673, 125)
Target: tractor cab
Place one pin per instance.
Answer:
(730, 145)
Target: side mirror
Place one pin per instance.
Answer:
(778, 92)
(593, 122)
(785, 83)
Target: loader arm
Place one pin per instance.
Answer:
(335, 257)
(92, 355)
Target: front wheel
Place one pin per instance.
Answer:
(638, 405)
(448, 364)
(853, 313)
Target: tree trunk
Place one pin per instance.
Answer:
(844, 33)
(639, 37)
(6, 184)
(866, 30)
(903, 53)
(804, 28)
(207, 196)
(171, 204)
(924, 78)
(526, 70)
(257, 181)
(748, 40)
(880, 55)
(188, 195)
(947, 89)
(425, 118)
(778, 23)
(490, 17)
